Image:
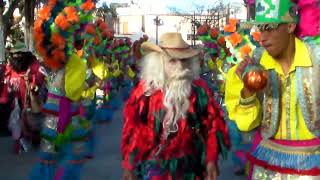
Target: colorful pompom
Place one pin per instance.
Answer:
(54, 30)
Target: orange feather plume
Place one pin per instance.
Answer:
(42, 51)
(233, 21)
(58, 55)
(230, 28)
(62, 22)
(88, 6)
(256, 36)
(245, 50)
(58, 41)
(235, 39)
(45, 13)
(71, 14)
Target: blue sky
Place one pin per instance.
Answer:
(186, 5)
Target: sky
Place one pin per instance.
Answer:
(163, 5)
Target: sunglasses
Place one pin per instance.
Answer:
(268, 27)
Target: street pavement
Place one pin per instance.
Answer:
(106, 164)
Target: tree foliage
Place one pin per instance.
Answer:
(104, 10)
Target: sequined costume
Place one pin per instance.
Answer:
(57, 33)
(287, 113)
(64, 132)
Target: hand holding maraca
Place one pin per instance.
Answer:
(253, 75)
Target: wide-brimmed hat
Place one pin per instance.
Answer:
(19, 47)
(276, 11)
(173, 44)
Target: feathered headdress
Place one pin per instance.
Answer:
(136, 47)
(240, 39)
(212, 39)
(98, 38)
(55, 26)
(121, 49)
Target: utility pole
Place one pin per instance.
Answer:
(143, 27)
(228, 13)
(158, 22)
(192, 25)
(194, 29)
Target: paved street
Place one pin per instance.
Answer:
(105, 166)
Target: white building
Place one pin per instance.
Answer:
(135, 19)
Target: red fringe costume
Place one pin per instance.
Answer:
(185, 153)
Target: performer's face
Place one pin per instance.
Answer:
(180, 67)
(275, 38)
(21, 61)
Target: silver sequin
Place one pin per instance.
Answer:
(288, 100)
(47, 146)
(51, 122)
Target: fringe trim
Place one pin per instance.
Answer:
(286, 159)
(310, 172)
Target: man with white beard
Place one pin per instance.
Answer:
(173, 128)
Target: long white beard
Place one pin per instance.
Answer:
(176, 100)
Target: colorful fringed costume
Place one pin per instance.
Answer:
(218, 60)
(286, 111)
(87, 109)
(65, 132)
(104, 110)
(184, 154)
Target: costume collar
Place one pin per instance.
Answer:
(301, 58)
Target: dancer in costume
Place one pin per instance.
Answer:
(94, 41)
(218, 60)
(64, 132)
(103, 45)
(172, 126)
(22, 82)
(241, 40)
(277, 91)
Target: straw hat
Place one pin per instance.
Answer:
(172, 44)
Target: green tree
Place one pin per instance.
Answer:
(104, 10)
(6, 22)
